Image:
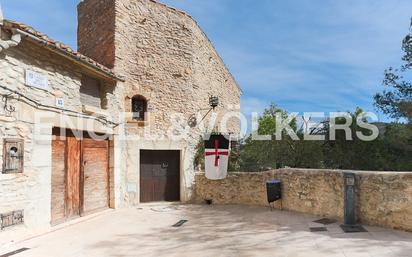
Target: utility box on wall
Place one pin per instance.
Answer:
(274, 191)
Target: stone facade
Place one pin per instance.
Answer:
(383, 198)
(166, 58)
(163, 56)
(30, 190)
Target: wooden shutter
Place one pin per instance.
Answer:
(90, 92)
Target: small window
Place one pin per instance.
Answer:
(91, 92)
(139, 108)
(13, 156)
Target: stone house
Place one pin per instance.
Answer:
(48, 89)
(107, 126)
(170, 63)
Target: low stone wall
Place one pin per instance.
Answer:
(383, 198)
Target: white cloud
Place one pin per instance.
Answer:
(316, 55)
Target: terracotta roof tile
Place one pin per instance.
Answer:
(48, 42)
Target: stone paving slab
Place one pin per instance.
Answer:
(211, 231)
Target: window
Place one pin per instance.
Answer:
(139, 107)
(91, 92)
(13, 156)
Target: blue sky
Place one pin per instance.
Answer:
(304, 55)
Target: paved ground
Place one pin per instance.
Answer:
(211, 231)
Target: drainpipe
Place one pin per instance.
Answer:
(15, 38)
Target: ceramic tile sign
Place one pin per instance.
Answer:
(59, 102)
(37, 80)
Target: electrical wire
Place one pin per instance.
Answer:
(40, 106)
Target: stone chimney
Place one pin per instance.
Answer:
(96, 30)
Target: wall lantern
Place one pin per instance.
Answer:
(213, 103)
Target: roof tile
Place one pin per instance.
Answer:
(48, 42)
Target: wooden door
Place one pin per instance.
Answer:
(95, 175)
(58, 182)
(73, 177)
(159, 176)
(80, 179)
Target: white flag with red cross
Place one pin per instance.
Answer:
(216, 157)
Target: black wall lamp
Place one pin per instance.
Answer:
(213, 103)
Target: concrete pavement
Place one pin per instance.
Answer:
(210, 231)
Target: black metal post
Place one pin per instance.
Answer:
(350, 200)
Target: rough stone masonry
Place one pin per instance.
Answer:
(166, 58)
(30, 190)
(383, 198)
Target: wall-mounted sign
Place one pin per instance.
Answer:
(59, 102)
(37, 80)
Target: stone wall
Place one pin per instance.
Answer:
(31, 190)
(166, 58)
(383, 198)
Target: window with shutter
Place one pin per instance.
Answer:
(13, 156)
(91, 92)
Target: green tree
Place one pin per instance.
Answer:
(259, 155)
(390, 151)
(354, 153)
(269, 154)
(397, 147)
(396, 99)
